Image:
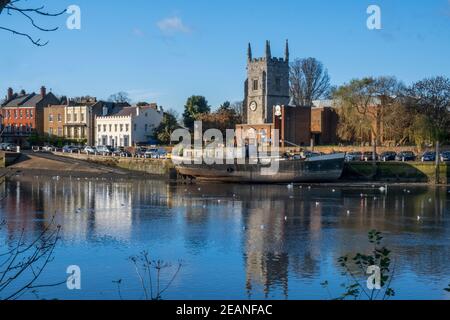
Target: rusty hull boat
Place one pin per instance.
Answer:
(325, 168)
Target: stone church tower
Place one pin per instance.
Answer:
(267, 85)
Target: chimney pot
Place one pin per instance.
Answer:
(43, 91)
(10, 93)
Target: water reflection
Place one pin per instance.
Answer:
(245, 241)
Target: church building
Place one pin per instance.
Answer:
(267, 103)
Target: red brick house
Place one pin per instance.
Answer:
(22, 114)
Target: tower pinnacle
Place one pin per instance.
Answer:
(249, 52)
(286, 52)
(268, 52)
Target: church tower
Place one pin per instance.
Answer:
(267, 85)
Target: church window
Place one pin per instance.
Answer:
(278, 84)
(255, 84)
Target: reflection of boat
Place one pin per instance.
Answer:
(315, 169)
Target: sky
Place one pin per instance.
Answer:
(166, 50)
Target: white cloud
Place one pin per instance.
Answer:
(172, 25)
(138, 32)
(139, 95)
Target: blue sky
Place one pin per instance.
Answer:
(166, 50)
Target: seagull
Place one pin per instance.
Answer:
(317, 204)
(418, 218)
(262, 227)
(333, 190)
(348, 212)
(285, 218)
(383, 189)
(290, 186)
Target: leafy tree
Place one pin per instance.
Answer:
(168, 125)
(195, 106)
(309, 81)
(224, 118)
(363, 105)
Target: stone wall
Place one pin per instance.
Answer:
(158, 167)
(396, 172)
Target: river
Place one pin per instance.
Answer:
(234, 241)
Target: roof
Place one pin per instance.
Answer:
(131, 111)
(23, 100)
(324, 103)
(28, 100)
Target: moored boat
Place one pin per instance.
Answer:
(316, 169)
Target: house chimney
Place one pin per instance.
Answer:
(138, 109)
(43, 91)
(10, 93)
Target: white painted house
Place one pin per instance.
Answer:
(129, 126)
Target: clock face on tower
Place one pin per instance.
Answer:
(253, 106)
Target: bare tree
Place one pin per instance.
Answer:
(431, 98)
(309, 81)
(22, 264)
(13, 7)
(120, 97)
(149, 273)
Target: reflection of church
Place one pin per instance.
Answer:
(267, 106)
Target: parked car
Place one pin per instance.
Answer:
(388, 156)
(104, 150)
(369, 156)
(140, 152)
(159, 154)
(428, 156)
(48, 148)
(353, 156)
(310, 154)
(445, 156)
(125, 154)
(10, 147)
(405, 156)
(89, 150)
(70, 149)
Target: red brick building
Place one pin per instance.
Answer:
(22, 114)
(324, 122)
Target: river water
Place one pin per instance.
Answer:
(234, 241)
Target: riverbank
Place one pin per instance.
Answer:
(93, 166)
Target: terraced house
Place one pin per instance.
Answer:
(128, 127)
(23, 114)
(80, 117)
